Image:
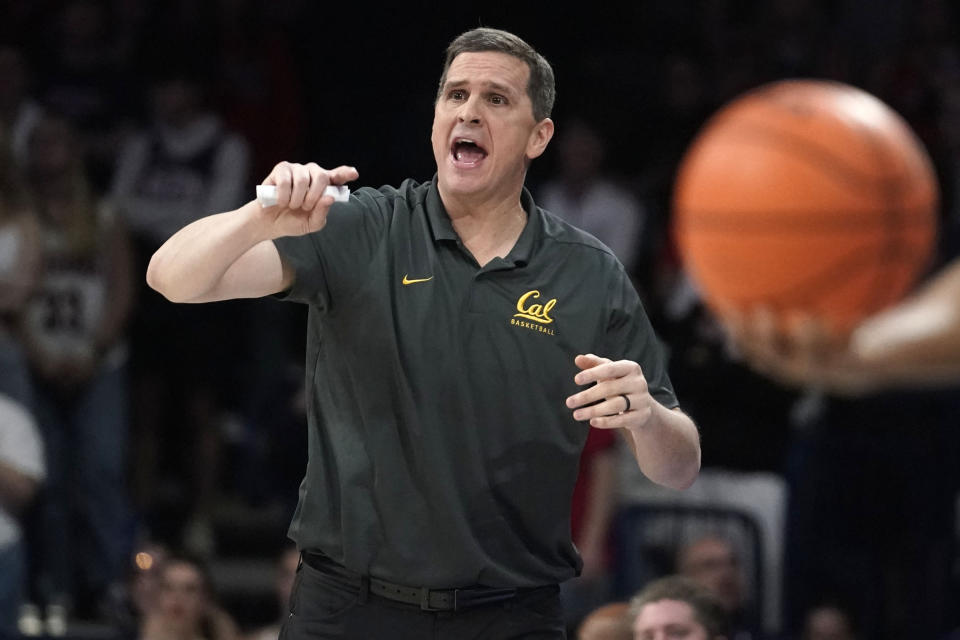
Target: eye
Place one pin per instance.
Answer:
(498, 99)
(457, 94)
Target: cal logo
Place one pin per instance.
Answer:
(533, 313)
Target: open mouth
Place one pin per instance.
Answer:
(466, 152)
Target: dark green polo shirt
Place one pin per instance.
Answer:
(441, 451)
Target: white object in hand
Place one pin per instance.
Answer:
(267, 193)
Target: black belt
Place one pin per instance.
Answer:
(426, 599)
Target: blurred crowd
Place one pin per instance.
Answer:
(127, 422)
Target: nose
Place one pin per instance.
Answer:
(469, 111)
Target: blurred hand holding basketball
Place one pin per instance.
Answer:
(915, 343)
(812, 199)
(802, 352)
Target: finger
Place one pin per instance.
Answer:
(609, 389)
(302, 178)
(759, 340)
(764, 330)
(272, 177)
(318, 182)
(587, 361)
(322, 208)
(604, 409)
(621, 420)
(610, 406)
(732, 319)
(282, 177)
(808, 342)
(342, 175)
(607, 370)
(318, 215)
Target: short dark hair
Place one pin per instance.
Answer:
(540, 87)
(706, 608)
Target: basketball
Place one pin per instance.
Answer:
(805, 196)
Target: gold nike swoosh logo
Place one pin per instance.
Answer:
(407, 280)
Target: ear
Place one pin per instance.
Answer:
(539, 138)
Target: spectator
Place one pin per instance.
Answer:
(608, 622)
(73, 331)
(829, 622)
(140, 593)
(22, 470)
(186, 607)
(712, 562)
(84, 80)
(585, 197)
(675, 606)
(145, 581)
(183, 165)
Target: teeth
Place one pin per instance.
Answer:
(457, 141)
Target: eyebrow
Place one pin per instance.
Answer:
(496, 86)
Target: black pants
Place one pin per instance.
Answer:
(324, 605)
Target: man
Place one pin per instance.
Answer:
(186, 607)
(585, 196)
(712, 561)
(182, 164)
(828, 621)
(607, 622)
(676, 607)
(451, 324)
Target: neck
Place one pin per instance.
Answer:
(488, 229)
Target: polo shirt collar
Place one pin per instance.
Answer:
(440, 223)
(442, 227)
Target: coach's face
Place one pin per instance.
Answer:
(484, 133)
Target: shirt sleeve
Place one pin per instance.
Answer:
(630, 336)
(331, 263)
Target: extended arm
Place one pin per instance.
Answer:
(230, 255)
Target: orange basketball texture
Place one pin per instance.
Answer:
(806, 196)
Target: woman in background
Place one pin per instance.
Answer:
(73, 330)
